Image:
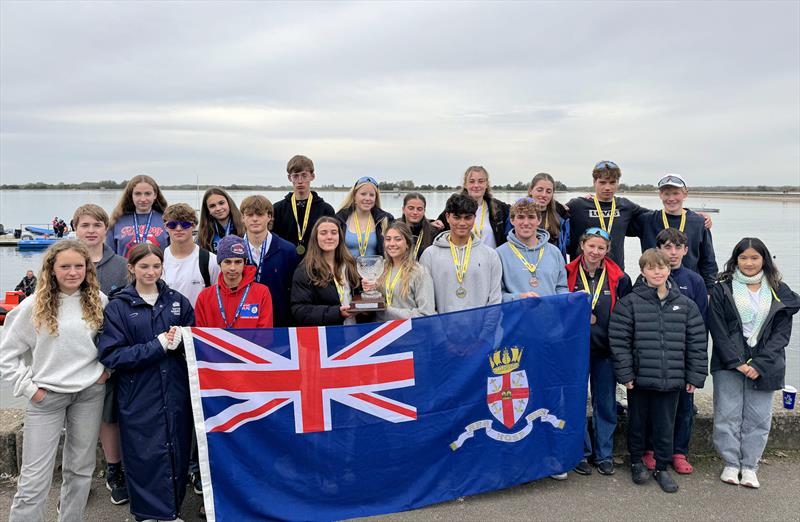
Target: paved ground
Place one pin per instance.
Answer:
(701, 497)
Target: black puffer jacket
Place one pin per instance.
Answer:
(730, 348)
(658, 345)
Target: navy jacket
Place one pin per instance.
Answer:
(152, 392)
(692, 286)
(730, 349)
(700, 258)
(277, 270)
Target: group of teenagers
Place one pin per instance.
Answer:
(98, 348)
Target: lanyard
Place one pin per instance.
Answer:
(419, 242)
(600, 214)
(302, 231)
(362, 244)
(531, 268)
(461, 268)
(478, 227)
(598, 288)
(238, 308)
(666, 223)
(264, 245)
(143, 238)
(339, 290)
(390, 286)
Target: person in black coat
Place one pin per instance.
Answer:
(658, 340)
(750, 320)
(493, 214)
(299, 210)
(323, 283)
(141, 341)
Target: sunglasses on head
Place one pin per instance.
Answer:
(594, 231)
(606, 165)
(172, 225)
(525, 200)
(366, 179)
(671, 180)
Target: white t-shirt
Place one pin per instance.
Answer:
(487, 234)
(184, 274)
(747, 328)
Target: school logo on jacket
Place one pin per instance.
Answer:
(176, 308)
(507, 396)
(249, 310)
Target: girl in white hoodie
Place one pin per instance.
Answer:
(49, 355)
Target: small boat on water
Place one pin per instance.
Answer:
(708, 210)
(40, 231)
(12, 300)
(37, 243)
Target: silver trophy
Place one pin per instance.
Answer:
(370, 268)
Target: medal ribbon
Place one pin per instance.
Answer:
(461, 268)
(598, 288)
(143, 238)
(362, 244)
(666, 223)
(419, 242)
(390, 286)
(339, 290)
(531, 268)
(238, 308)
(250, 255)
(302, 231)
(476, 228)
(600, 214)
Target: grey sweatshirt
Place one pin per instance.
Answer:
(112, 270)
(550, 271)
(417, 303)
(481, 282)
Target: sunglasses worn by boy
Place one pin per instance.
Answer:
(172, 225)
(595, 231)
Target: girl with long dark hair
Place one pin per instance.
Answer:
(219, 217)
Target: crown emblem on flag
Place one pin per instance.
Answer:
(505, 360)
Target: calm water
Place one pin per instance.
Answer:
(776, 223)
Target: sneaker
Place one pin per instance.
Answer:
(649, 460)
(665, 480)
(749, 479)
(730, 475)
(583, 468)
(559, 476)
(197, 483)
(606, 467)
(115, 483)
(639, 473)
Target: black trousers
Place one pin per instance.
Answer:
(658, 408)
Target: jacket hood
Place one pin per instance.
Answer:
(613, 269)
(248, 276)
(443, 240)
(542, 237)
(288, 197)
(377, 214)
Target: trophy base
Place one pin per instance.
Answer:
(367, 304)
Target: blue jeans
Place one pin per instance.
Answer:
(604, 409)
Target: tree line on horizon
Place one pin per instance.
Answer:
(403, 185)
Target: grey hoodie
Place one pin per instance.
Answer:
(112, 270)
(550, 271)
(481, 282)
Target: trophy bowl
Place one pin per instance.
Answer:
(370, 268)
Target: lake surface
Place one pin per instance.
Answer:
(776, 223)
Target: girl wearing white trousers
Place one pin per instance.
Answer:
(750, 319)
(48, 352)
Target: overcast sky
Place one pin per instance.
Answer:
(228, 92)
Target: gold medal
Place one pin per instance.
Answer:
(461, 293)
(593, 320)
(534, 281)
(300, 250)
(461, 266)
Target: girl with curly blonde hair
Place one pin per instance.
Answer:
(48, 353)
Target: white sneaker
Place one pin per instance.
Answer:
(559, 476)
(730, 475)
(749, 479)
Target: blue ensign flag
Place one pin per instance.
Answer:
(324, 423)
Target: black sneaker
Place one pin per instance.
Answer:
(583, 468)
(115, 483)
(665, 480)
(606, 467)
(639, 473)
(197, 483)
